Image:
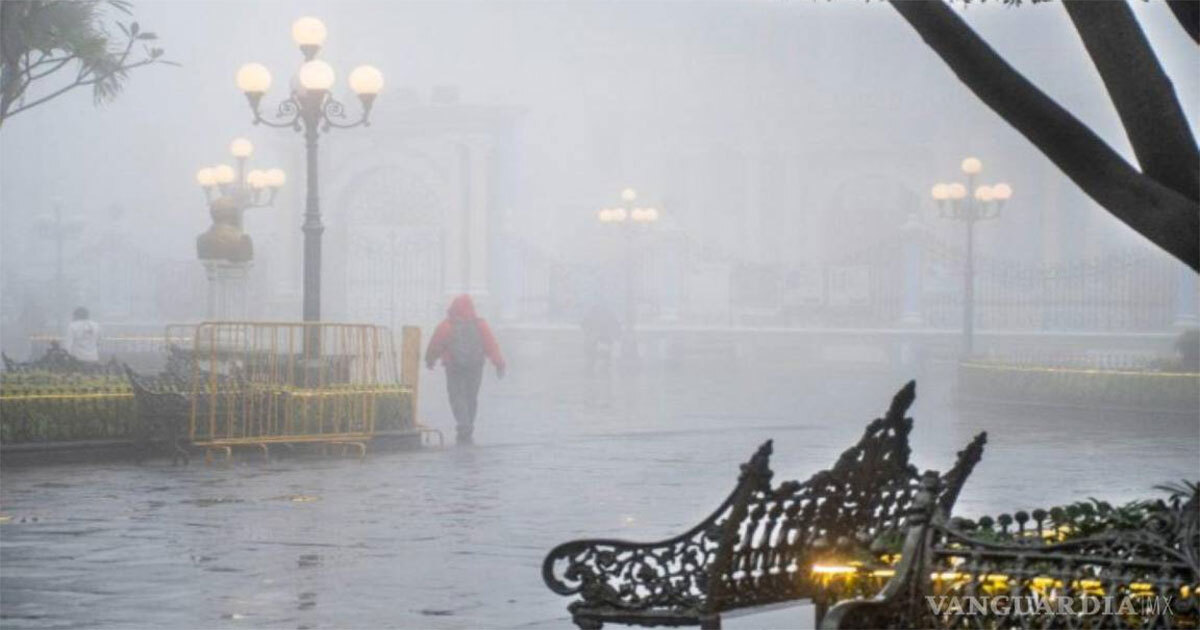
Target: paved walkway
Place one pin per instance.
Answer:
(455, 538)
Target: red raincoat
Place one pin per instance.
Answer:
(462, 309)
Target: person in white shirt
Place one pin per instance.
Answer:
(83, 337)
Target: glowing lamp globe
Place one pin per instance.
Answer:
(956, 191)
(274, 177)
(365, 80)
(316, 75)
(1002, 191)
(223, 174)
(253, 78)
(206, 177)
(309, 31)
(972, 166)
(940, 192)
(619, 214)
(628, 194)
(984, 193)
(241, 148)
(650, 214)
(256, 178)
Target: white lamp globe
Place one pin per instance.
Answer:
(253, 78)
(308, 31)
(984, 193)
(651, 214)
(223, 174)
(638, 214)
(940, 192)
(365, 80)
(628, 194)
(316, 75)
(241, 148)
(1002, 191)
(972, 166)
(619, 214)
(956, 191)
(206, 177)
(274, 177)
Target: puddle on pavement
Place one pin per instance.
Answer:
(212, 501)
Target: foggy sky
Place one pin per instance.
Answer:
(669, 97)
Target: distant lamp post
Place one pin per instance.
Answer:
(628, 217)
(224, 248)
(311, 108)
(970, 203)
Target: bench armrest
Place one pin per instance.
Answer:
(672, 573)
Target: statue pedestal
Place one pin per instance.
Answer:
(226, 290)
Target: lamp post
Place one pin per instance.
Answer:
(58, 229)
(311, 108)
(253, 189)
(224, 248)
(970, 203)
(628, 217)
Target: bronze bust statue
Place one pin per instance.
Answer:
(225, 239)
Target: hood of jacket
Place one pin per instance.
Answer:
(462, 308)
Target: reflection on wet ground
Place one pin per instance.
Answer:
(454, 538)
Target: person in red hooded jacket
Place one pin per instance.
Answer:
(462, 341)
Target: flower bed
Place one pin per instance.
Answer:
(1142, 390)
(47, 406)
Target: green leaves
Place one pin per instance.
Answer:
(62, 31)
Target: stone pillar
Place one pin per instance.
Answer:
(911, 313)
(752, 243)
(478, 206)
(454, 261)
(1186, 307)
(226, 290)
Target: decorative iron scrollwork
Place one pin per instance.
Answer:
(759, 545)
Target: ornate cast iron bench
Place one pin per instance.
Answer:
(59, 361)
(758, 547)
(958, 574)
(162, 412)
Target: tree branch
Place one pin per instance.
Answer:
(1187, 12)
(1141, 92)
(1167, 218)
(61, 62)
(76, 84)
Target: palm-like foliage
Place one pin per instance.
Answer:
(60, 45)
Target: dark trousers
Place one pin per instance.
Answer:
(462, 383)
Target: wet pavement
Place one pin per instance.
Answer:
(454, 538)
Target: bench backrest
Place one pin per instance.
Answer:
(865, 497)
(952, 577)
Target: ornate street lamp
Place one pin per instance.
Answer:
(311, 108)
(969, 203)
(628, 217)
(224, 248)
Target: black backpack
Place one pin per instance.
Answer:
(466, 344)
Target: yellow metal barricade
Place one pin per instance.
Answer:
(259, 383)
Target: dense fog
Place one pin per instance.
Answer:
(780, 135)
(689, 230)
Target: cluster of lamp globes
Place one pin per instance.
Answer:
(957, 192)
(314, 75)
(620, 215)
(210, 177)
